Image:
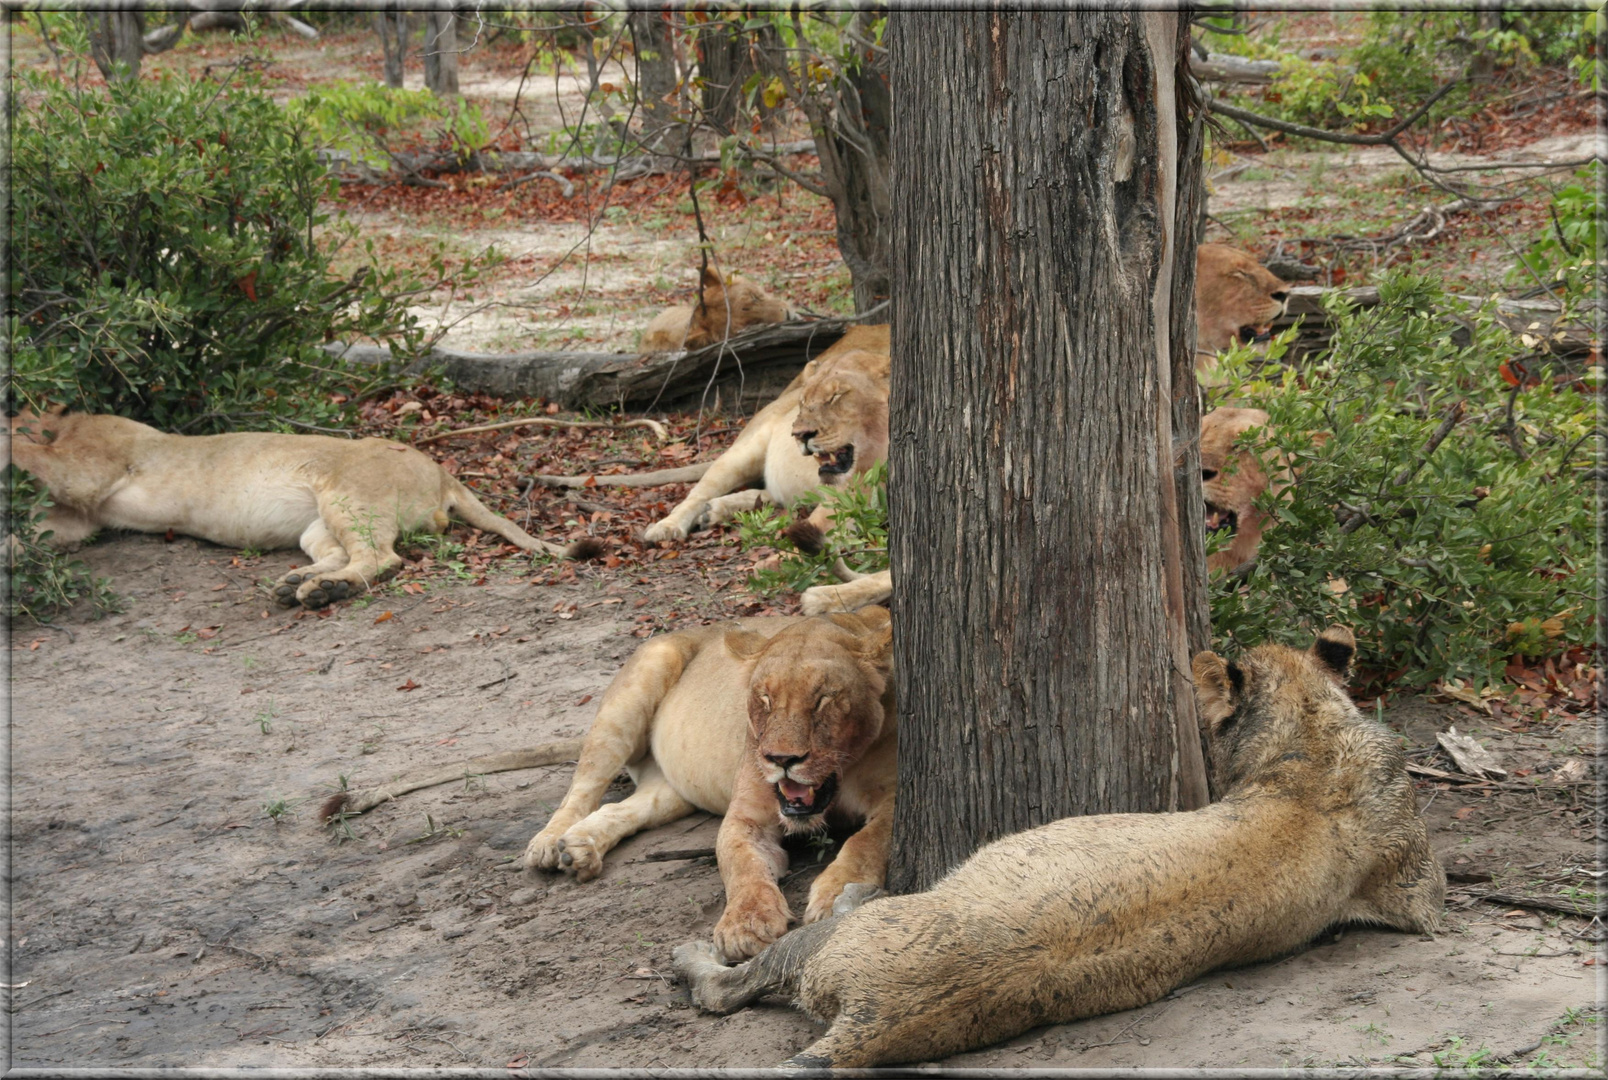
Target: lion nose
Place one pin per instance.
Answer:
(786, 761)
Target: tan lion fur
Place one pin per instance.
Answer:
(730, 305)
(1317, 826)
(708, 719)
(342, 501)
(767, 452)
(1233, 293)
(1232, 481)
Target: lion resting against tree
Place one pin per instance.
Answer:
(342, 501)
(728, 306)
(1317, 824)
(777, 724)
(830, 423)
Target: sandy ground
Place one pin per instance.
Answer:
(161, 916)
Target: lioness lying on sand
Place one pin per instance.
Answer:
(774, 723)
(342, 501)
(1317, 825)
(829, 424)
(729, 305)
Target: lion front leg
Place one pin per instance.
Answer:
(861, 865)
(738, 467)
(654, 802)
(851, 596)
(750, 856)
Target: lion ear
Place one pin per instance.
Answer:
(1334, 649)
(876, 648)
(1218, 687)
(745, 644)
(711, 278)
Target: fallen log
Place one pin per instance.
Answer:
(1221, 67)
(1541, 320)
(350, 170)
(757, 361)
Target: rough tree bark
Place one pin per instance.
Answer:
(655, 77)
(441, 53)
(1042, 614)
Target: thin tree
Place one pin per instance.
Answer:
(1049, 584)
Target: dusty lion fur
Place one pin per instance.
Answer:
(1317, 825)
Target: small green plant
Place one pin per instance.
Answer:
(859, 534)
(433, 831)
(372, 121)
(265, 718)
(42, 580)
(277, 809)
(187, 637)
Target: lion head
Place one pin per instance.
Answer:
(843, 413)
(818, 698)
(1236, 297)
(730, 305)
(1232, 481)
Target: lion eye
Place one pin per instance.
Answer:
(764, 701)
(819, 705)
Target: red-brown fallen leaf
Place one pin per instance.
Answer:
(409, 685)
(413, 587)
(220, 588)
(1463, 814)
(448, 741)
(384, 616)
(248, 285)
(523, 1059)
(167, 537)
(583, 701)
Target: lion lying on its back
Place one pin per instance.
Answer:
(342, 501)
(1317, 825)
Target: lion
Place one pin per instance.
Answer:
(342, 501)
(778, 724)
(729, 305)
(829, 424)
(1232, 481)
(1236, 298)
(1317, 825)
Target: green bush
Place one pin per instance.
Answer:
(41, 580)
(370, 121)
(170, 262)
(1444, 558)
(859, 535)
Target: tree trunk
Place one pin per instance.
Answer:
(116, 42)
(392, 26)
(725, 62)
(852, 123)
(441, 53)
(655, 77)
(1043, 613)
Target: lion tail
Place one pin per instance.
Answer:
(462, 501)
(553, 753)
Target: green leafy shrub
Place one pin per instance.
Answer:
(41, 580)
(1445, 557)
(370, 121)
(170, 261)
(859, 535)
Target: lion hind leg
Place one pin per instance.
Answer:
(717, 988)
(324, 550)
(653, 803)
(851, 596)
(618, 737)
(367, 535)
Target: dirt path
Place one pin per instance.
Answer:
(162, 917)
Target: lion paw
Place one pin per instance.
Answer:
(820, 600)
(542, 851)
(667, 529)
(578, 856)
(317, 594)
(749, 924)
